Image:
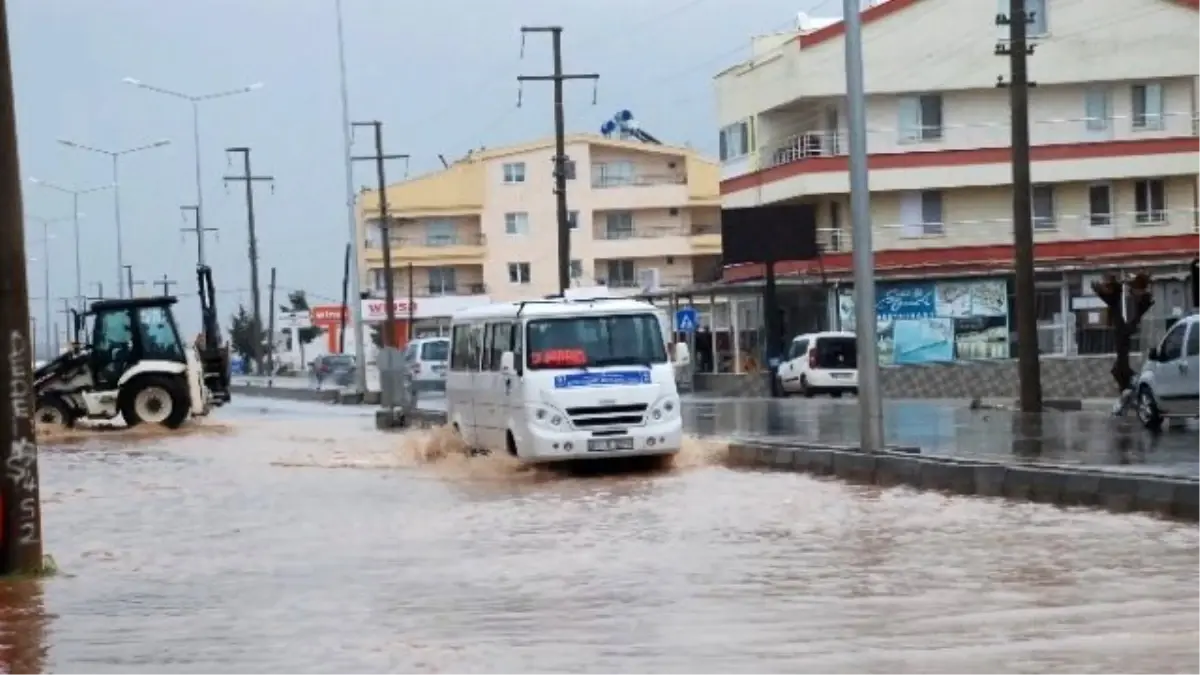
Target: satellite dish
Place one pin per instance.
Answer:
(624, 116)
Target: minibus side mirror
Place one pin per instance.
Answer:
(682, 355)
(508, 364)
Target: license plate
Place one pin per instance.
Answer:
(607, 444)
(842, 376)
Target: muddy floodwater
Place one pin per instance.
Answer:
(295, 538)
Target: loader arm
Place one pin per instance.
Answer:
(214, 353)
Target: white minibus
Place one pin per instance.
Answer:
(562, 379)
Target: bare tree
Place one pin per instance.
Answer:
(1112, 291)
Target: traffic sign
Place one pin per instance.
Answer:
(687, 319)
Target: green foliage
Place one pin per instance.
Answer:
(298, 302)
(376, 335)
(241, 334)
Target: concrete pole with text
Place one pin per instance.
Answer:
(870, 403)
(21, 540)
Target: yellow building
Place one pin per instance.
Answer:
(643, 216)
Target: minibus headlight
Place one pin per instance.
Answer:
(548, 417)
(665, 409)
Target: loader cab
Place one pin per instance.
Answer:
(124, 333)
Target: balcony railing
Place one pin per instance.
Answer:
(1070, 226)
(669, 281)
(428, 241)
(809, 144)
(637, 180)
(432, 290)
(617, 233)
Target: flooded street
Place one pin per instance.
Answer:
(295, 538)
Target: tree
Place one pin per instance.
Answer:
(298, 302)
(1112, 291)
(377, 335)
(241, 334)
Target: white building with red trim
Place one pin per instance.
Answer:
(1112, 120)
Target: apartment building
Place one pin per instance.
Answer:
(643, 217)
(1113, 126)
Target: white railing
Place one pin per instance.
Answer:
(637, 180)
(1081, 226)
(820, 143)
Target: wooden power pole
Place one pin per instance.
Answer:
(1017, 50)
(165, 284)
(249, 179)
(21, 540)
(560, 149)
(389, 284)
(271, 327)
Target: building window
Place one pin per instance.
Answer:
(379, 280)
(620, 274)
(921, 214)
(1096, 108)
(1150, 201)
(618, 225)
(440, 233)
(516, 223)
(921, 118)
(1147, 106)
(569, 169)
(1043, 207)
(514, 172)
(576, 269)
(573, 220)
(518, 272)
(612, 174)
(442, 281)
(735, 140)
(1100, 211)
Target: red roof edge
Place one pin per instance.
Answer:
(873, 13)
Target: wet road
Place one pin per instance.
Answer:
(298, 539)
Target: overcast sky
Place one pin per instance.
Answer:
(440, 75)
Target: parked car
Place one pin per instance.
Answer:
(335, 369)
(1169, 384)
(426, 361)
(820, 363)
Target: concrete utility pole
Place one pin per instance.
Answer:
(271, 328)
(560, 150)
(389, 285)
(129, 279)
(355, 289)
(1017, 49)
(99, 290)
(249, 179)
(21, 544)
(115, 157)
(870, 398)
(165, 284)
(197, 229)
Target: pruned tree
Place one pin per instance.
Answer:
(1113, 291)
(298, 302)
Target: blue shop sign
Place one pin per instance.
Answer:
(906, 301)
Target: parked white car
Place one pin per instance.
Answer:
(820, 363)
(1169, 384)
(426, 360)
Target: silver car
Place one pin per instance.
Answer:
(1169, 384)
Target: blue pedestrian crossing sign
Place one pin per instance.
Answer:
(687, 320)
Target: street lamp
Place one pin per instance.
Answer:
(115, 156)
(76, 215)
(48, 321)
(195, 100)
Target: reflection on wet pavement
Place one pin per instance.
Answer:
(943, 429)
(259, 551)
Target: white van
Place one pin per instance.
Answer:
(820, 363)
(560, 379)
(1169, 384)
(426, 360)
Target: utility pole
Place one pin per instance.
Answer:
(389, 286)
(1017, 49)
(345, 304)
(197, 229)
(249, 179)
(21, 544)
(99, 290)
(560, 150)
(67, 317)
(271, 328)
(129, 278)
(870, 398)
(165, 284)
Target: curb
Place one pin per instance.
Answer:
(286, 394)
(1171, 497)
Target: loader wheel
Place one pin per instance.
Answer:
(154, 399)
(52, 413)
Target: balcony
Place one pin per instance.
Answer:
(949, 156)
(651, 242)
(430, 290)
(635, 286)
(639, 191)
(602, 182)
(430, 249)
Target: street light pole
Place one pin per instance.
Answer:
(115, 156)
(75, 215)
(195, 100)
(49, 316)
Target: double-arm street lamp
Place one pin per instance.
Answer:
(195, 100)
(115, 156)
(75, 195)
